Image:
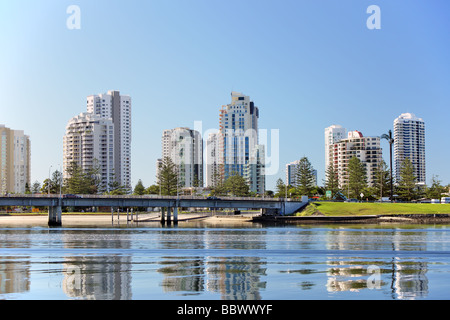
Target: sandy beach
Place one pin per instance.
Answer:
(92, 220)
(201, 219)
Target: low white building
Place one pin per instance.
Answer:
(366, 149)
(89, 142)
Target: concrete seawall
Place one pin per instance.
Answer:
(401, 218)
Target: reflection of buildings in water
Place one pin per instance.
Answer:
(233, 277)
(409, 280)
(14, 276)
(339, 274)
(236, 278)
(15, 270)
(183, 274)
(102, 277)
(407, 276)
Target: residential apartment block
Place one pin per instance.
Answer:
(409, 142)
(185, 148)
(366, 149)
(15, 156)
(237, 149)
(333, 134)
(89, 142)
(102, 135)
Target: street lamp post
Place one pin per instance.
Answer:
(48, 187)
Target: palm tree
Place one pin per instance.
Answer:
(389, 138)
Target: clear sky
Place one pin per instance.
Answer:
(307, 64)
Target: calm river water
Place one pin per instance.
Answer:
(225, 263)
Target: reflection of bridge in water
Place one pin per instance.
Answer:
(55, 203)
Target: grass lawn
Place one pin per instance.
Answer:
(344, 208)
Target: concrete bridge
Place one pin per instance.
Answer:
(55, 203)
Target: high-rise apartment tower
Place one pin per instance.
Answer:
(409, 142)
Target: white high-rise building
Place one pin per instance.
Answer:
(110, 115)
(333, 134)
(213, 160)
(238, 144)
(185, 148)
(89, 142)
(409, 142)
(112, 105)
(366, 149)
(15, 165)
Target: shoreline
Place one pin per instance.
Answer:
(362, 219)
(100, 220)
(94, 220)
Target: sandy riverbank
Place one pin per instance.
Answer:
(199, 219)
(91, 220)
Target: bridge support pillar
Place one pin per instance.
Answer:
(169, 209)
(54, 216)
(163, 214)
(175, 214)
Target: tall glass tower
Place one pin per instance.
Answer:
(240, 151)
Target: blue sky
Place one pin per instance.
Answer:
(305, 64)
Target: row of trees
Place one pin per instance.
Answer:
(357, 183)
(168, 184)
(405, 189)
(89, 182)
(304, 182)
(80, 182)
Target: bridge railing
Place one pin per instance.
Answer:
(149, 196)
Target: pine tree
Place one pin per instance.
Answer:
(407, 184)
(75, 183)
(36, 187)
(236, 185)
(139, 189)
(115, 188)
(382, 180)
(436, 189)
(93, 179)
(357, 179)
(332, 180)
(217, 187)
(153, 189)
(281, 189)
(305, 177)
(168, 177)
